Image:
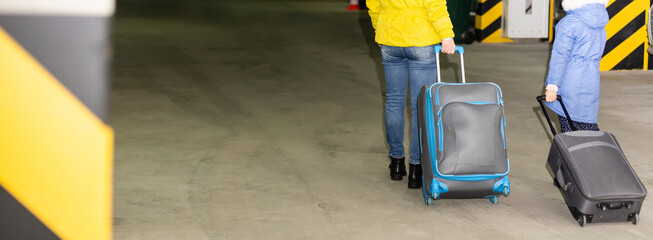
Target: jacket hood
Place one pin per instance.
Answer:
(592, 14)
(569, 5)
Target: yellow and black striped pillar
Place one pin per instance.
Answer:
(649, 63)
(488, 22)
(627, 39)
(56, 147)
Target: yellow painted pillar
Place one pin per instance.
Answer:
(56, 147)
(627, 39)
(488, 22)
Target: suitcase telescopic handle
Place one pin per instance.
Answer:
(460, 50)
(541, 99)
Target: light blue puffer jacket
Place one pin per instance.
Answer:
(574, 66)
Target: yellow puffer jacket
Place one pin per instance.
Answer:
(410, 23)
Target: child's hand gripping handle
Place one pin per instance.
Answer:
(541, 100)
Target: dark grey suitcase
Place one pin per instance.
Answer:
(591, 170)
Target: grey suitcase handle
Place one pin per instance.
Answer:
(460, 50)
(541, 99)
(561, 180)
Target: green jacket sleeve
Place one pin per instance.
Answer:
(439, 17)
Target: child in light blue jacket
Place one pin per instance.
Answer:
(574, 66)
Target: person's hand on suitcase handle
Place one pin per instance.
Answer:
(459, 49)
(550, 95)
(551, 92)
(448, 46)
(564, 109)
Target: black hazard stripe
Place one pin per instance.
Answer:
(625, 32)
(70, 49)
(486, 6)
(633, 60)
(617, 6)
(482, 9)
(16, 222)
(490, 29)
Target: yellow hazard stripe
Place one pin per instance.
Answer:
(551, 9)
(56, 155)
(496, 38)
(487, 24)
(492, 15)
(646, 42)
(621, 19)
(610, 60)
(618, 49)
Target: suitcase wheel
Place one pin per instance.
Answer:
(582, 220)
(635, 218)
(505, 192)
(428, 201)
(494, 199)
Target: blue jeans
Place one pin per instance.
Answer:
(406, 69)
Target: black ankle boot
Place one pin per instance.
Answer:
(415, 176)
(397, 168)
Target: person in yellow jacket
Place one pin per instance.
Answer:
(406, 31)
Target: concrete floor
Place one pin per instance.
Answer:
(264, 120)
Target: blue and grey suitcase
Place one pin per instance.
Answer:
(462, 137)
(593, 174)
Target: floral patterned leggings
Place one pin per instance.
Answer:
(564, 125)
